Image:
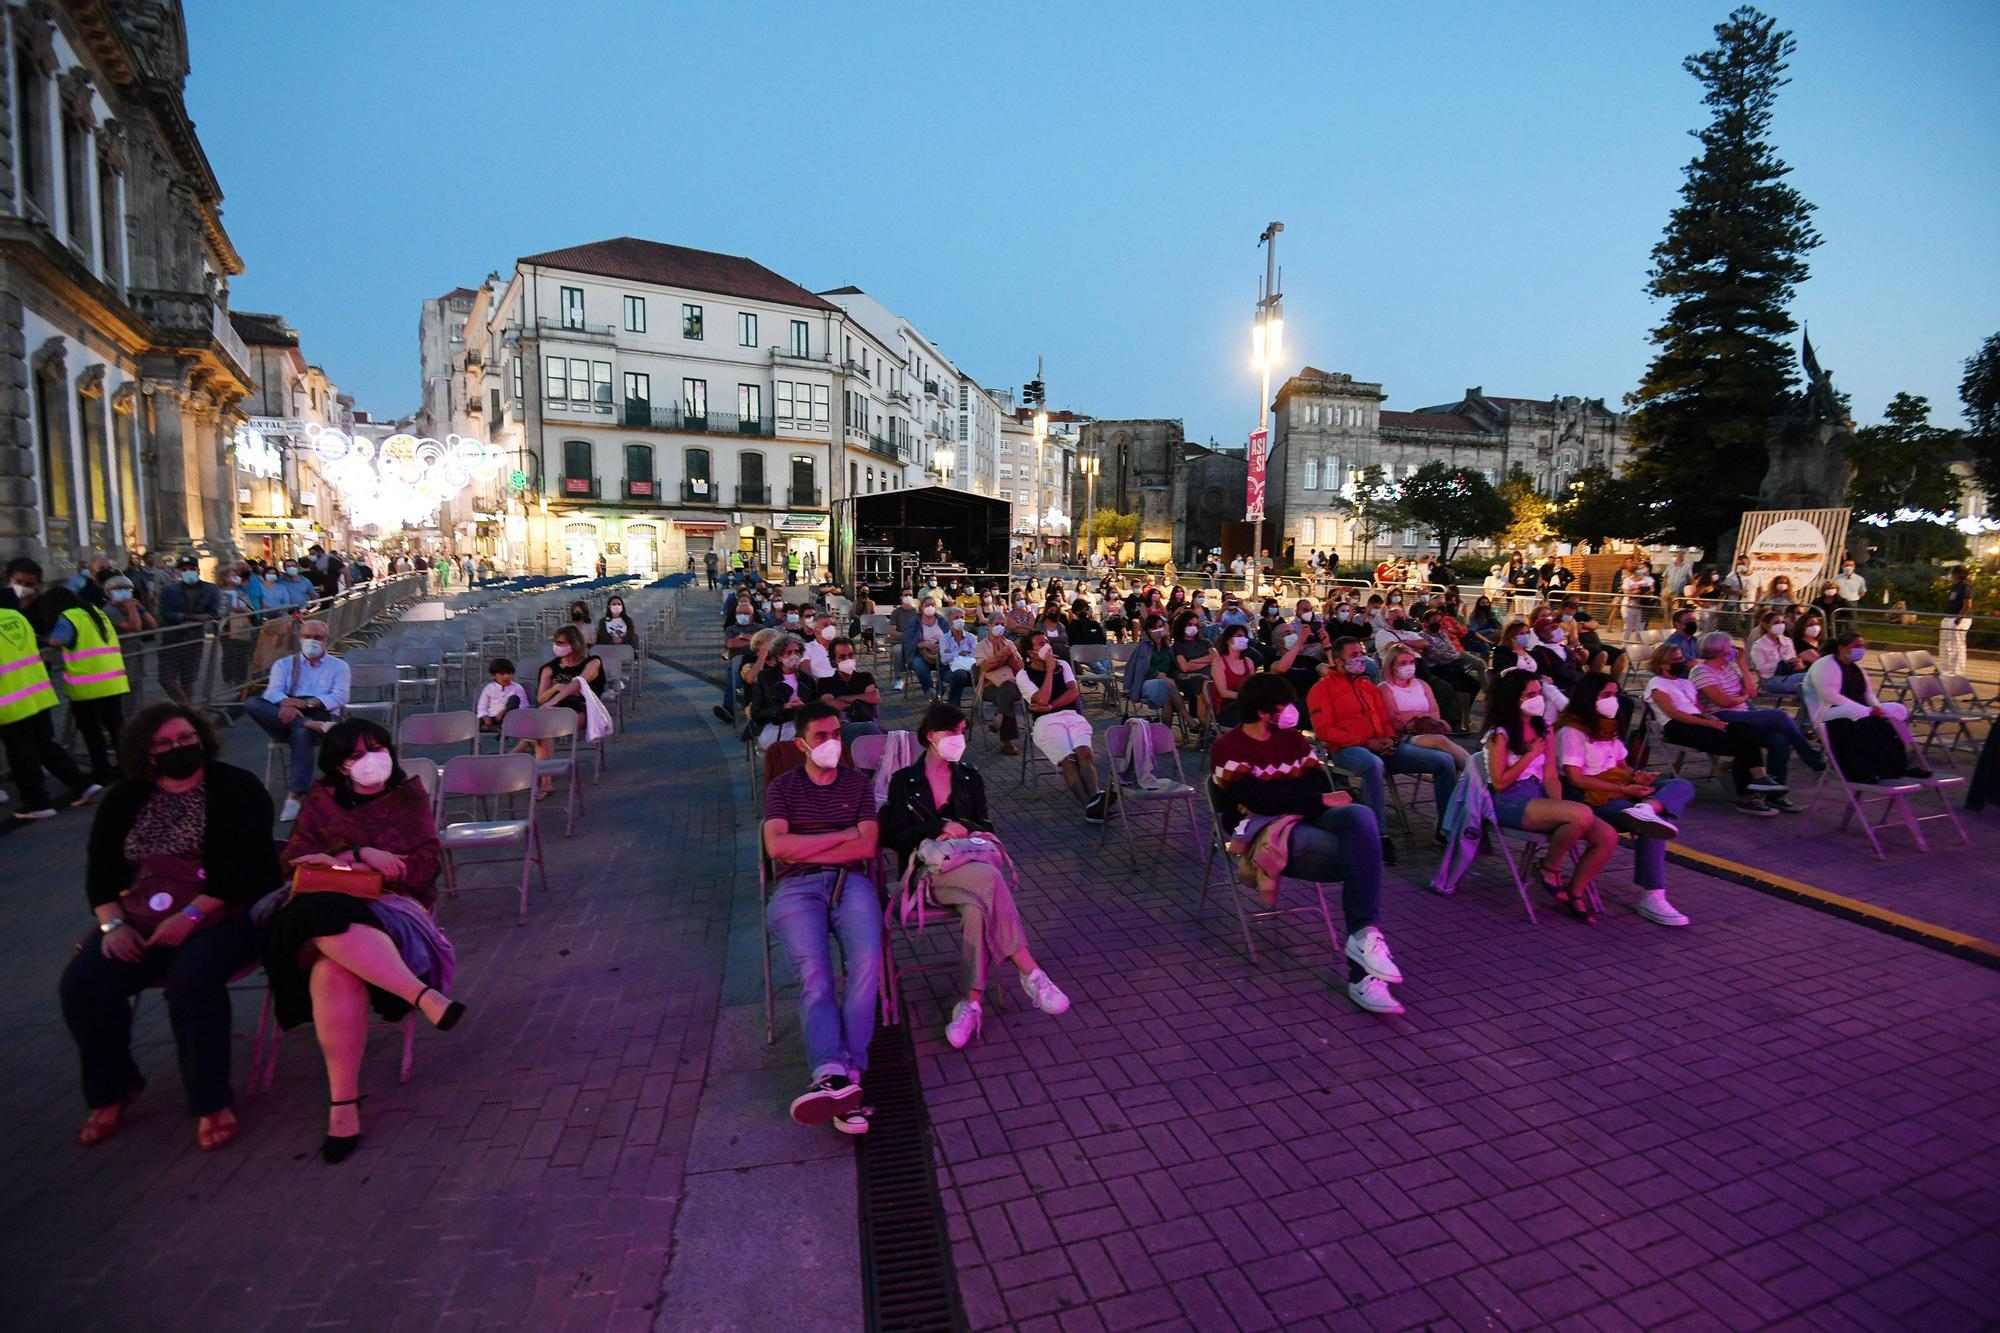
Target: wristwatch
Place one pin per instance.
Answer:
(106, 927)
(192, 913)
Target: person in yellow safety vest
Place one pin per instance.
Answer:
(26, 701)
(94, 679)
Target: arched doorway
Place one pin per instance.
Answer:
(580, 544)
(642, 549)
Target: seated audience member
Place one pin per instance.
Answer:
(1516, 650)
(853, 692)
(1727, 688)
(305, 696)
(1869, 737)
(1151, 673)
(1266, 776)
(1598, 655)
(1687, 633)
(951, 671)
(579, 616)
(1227, 673)
(942, 797)
(615, 627)
(561, 683)
(819, 636)
(1060, 732)
(1521, 760)
(1683, 722)
(1413, 708)
(331, 955)
(1773, 657)
(1453, 674)
(501, 695)
(737, 636)
(181, 817)
(1482, 632)
(1596, 770)
(1350, 719)
(777, 695)
(1810, 640)
(1553, 652)
(996, 672)
(1193, 656)
(820, 832)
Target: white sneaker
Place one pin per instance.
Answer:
(1653, 905)
(1372, 994)
(851, 1122)
(87, 795)
(966, 1016)
(1367, 947)
(1048, 996)
(1646, 814)
(291, 810)
(49, 813)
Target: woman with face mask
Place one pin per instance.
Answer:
(1527, 794)
(1869, 737)
(178, 853)
(334, 956)
(783, 686)
(944, 798)
(1151, 675)
(1413, 708)
(579, 616)
(1232, 667)
(1288, 822)
(1194, 657)
(560, 684)
(613, 627)
(1590, 751)
(1727, 687)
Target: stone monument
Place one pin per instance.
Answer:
(1808, 447)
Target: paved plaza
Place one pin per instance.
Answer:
(1774, 1117)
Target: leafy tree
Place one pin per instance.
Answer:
(1372, 503)
(1602, 505)
(1111, 525)
(1528, 525)
(1980, 392)
(1453, 504)
(1731, 258)
(1903, 466)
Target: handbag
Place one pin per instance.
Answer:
(164, 885)
(353, 881)
(1425, 725)
(938, 856)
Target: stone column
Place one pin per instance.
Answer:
(20, 497)
(162, 385)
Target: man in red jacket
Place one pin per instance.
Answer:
(1351, 719)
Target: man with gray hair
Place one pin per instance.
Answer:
(307, 694)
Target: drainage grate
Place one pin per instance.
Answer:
(907, 1280)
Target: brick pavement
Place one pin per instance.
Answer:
(1771, 1116)
(530, 1173)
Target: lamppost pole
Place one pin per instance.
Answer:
(1267, 340)
(1039, 393)
(1089, 465)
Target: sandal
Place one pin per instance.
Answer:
(96, 1131)
(212, 1132)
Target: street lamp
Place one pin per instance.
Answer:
(1088, 465)
(1267, 344)
(941, 462)
(1041, 438)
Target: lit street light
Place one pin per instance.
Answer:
(1267, 344)
(1089, 466)
(941, 462)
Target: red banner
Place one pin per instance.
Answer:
(1253, 500)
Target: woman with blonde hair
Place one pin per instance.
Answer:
(1412, 707)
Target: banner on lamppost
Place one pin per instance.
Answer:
(1253, 500)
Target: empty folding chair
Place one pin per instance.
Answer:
(1931, 710)
(553, 725)
(1144, 789)
(376, 679)
(492, 775)
(438, 730)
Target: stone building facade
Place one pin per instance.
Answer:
(1329, 427)
(1140, 471)
(120, 376)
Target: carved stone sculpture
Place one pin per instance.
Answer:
(1808, 447)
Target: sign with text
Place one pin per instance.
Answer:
(1802, 544)
(1253, 500)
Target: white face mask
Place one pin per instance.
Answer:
(1608, 706)
(121, 594)
(314, 649)
(742, 617)
(828, 632)
(559, 649)
(792, 618)
(1288, 716)
(1189, 631)
(1238, 644)
(1291, 641)
(827, 753)
(997, 632)
(190, 576)
(371, 769)
(1405, 670)
(1812, 631)
(951, 748)
(845, 666)
(1776, 631)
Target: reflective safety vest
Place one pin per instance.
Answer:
(93, 667)
(24, 681)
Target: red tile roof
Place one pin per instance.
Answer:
(635, 260)
(1430, 421)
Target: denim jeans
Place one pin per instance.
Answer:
(1345, 844)
(1786, 685)
(732, 676)
(303, 740)
(1370, 767)
(955, 681)
(850, 730)
(1780, 736)
(1650, 855)
(800, 914)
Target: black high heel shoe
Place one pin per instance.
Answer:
(452, 1012)
(339, 1147)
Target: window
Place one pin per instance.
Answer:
(805, 482)
(750, 466)
(1311, 482)
(90, 416)
(1007, 471)
(750, 402)
(635, 314)
(576, 460)
(783, 393)
(1306, 531)
(639, 472)
(31, 94)
(868, 476)
(822, 404)
(53, 439)
(964, 399)
(558, 380)
(964, 427)
(801, 338)
(638, 390)
(493, 406)
(694, 400)
(514, 372)
(691, 322)
(695, 467)
(572, 307)
(1007, 495)
(853, 478)
(110, 224)
(746, 329)
(600, 384)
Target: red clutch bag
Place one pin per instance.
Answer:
(355, 882)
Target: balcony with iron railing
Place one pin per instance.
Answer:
(643, 414)
(903, 396)
(578, 488)
(698, 491)
(805, 497)
(642, 490)
(886, 448)
(757, 496)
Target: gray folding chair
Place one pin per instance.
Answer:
(1218, 846)
(551, 725)
(376, 679)
(491, 775)
(437, 730)
(1166, 792)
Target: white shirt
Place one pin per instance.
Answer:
(1680, 693)
(1574, 749)
(818, 660)
(298, 677)
(493, 699)
(1851, 585)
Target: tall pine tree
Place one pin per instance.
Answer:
(1732, 256)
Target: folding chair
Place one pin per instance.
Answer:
(425, 772)
(1962, 696)
(374, 678)
(1177, 790)
(1931, 709)
(1498, 835)
(1218, 846)
(894, 927)
(617, 659)
(264, 1035)
(1892, 795)
(491, 775)
(866, 752)
(552, 725)
(1895, 669)
(406, 1026)
(1094, 656)
(438, 730)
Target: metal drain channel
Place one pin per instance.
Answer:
(907, 1280)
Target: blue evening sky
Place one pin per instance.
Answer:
(1469, 190)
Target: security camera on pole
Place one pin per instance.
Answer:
(1267, 341)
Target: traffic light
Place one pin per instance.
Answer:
(1032, 394)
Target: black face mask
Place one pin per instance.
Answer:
(183, 761)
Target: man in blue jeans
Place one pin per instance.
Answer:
(307, 692)
(1351, 720)
(820, 833)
